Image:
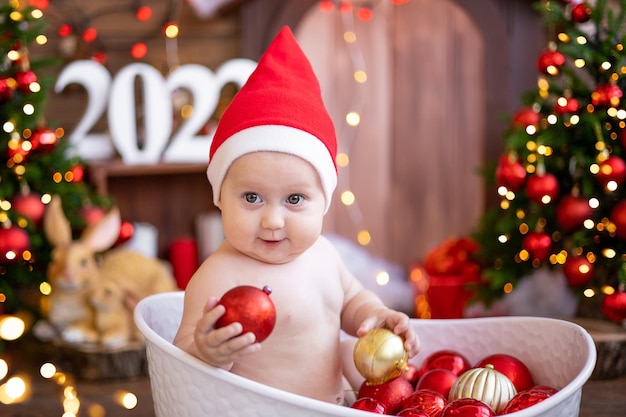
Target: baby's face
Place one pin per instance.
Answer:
(272, 206)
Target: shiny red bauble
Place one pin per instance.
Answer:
(566, 105)
(612, 169)
(439, 380)
(13, 242)
(510, 173)
(525, 399)
(467, 407)
(578, 271)
(6, 91)
(526, 117)
(572, 211)
(581, 12)
(250, 306)
(430, 402)
(537, 244)
(547, 388)
(24, 79)
(391, 394)
(614, 306)
(550, 62)
(369, 404)
(511, 367)
(542, 189)
(606, 95)
(91, 214)
(618, 218)
(445, 359)
(44, 140)
(29, 205)
(412, 412)
(411, 374)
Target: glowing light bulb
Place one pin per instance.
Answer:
(171, 30)
(364, 238)
(353, 118)
(11, 327)
(348, 198)
(382, 278)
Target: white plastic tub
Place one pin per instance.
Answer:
(559, 353)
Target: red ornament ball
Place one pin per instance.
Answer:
(578, 271)
(29, 205)
(525, 399)
(13, 242)
(612, 169)
(614, 306)
(526, 117)
(250, 306)
(6, 92)
(467, 407)
(581, 13)
(445, 359)
(427, 401)
(565, 105)
(511, 367)
(550, 62)
(412, 412)
(44, 140)
(24, 79)
(439, 380)
(391, 394)
(546, 388)
(606, 95)
(127, 230)
(538, 245)
(542, 189)
(618, 218)
(510, 173)
(369, 404)
(572, 211)
(411, 374)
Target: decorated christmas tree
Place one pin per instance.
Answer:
(34, 162)
(562, 176)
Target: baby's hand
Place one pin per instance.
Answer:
(398, 322)
(220, 347)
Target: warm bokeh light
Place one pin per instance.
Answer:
(11, 327)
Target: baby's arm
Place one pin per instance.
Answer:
(197, 334)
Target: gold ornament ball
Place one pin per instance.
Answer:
(379, 356)
(485, 384)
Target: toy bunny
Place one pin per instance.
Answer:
(78, 279)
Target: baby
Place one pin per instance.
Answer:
(272, 170)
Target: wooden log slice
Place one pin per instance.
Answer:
(610, 341)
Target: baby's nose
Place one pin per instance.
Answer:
(272, 218)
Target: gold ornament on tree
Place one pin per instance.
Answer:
(485, 384)
(379, 356)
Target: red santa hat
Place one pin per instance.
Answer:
(279, 109)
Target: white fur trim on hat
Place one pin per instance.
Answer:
(275, 138)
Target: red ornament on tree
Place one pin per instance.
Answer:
(43, 140)
(391, 394)
(13, 242)
(525, 399)
(542, 189)
(439, 380)
(92, 214)
(24, 79)
(511, 367)
(6, 92)
(427, 401)
(526, 117)
(614, 306)
(29, 205)
(510, 173)
(578, 271)
(618, 218)
(550, 62)
(126, 233)
(369, 404)
(606, 95)
(612, 169)
(566, 105)
(572, 211)
(467, 407)
(538, 245)
(581, 13)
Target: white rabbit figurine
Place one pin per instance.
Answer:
(82, 305)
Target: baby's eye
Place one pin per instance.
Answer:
(251, 198)
(294, 199)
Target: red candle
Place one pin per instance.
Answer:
(184, 260)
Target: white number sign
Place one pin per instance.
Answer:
(117, 97)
